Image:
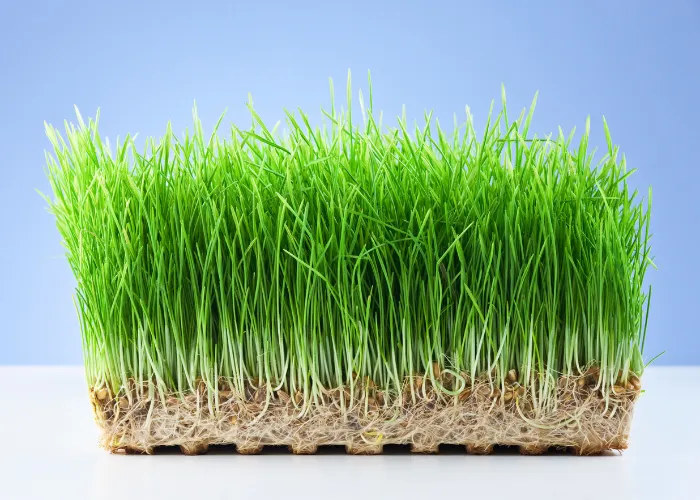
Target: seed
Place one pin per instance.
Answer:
(436, 370)
(123, 402)
(629, 386)
(464, 395)
(636, 383)
(512, 376)
(283, 396)
(234, 419)
(225, 394)
(521, 391)
(618, 389)
(581, 382)
(298, 397)
(495, 393)
(484, 390)
(508, 396)
(101, 394)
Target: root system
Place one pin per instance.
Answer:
(580, 417)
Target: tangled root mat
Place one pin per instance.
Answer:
(580, 418)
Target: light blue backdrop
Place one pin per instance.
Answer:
(144, 63)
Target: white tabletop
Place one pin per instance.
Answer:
(49, 450)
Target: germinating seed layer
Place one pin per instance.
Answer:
(355, 284)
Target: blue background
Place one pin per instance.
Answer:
(143, 64)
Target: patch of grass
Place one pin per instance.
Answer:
(353, 248)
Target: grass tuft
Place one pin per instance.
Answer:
(309, 259)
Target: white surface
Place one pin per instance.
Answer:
(49, 450)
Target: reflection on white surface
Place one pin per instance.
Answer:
(50, 451)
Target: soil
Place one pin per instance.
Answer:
(580, 417)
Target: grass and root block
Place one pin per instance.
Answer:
(355, 284)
